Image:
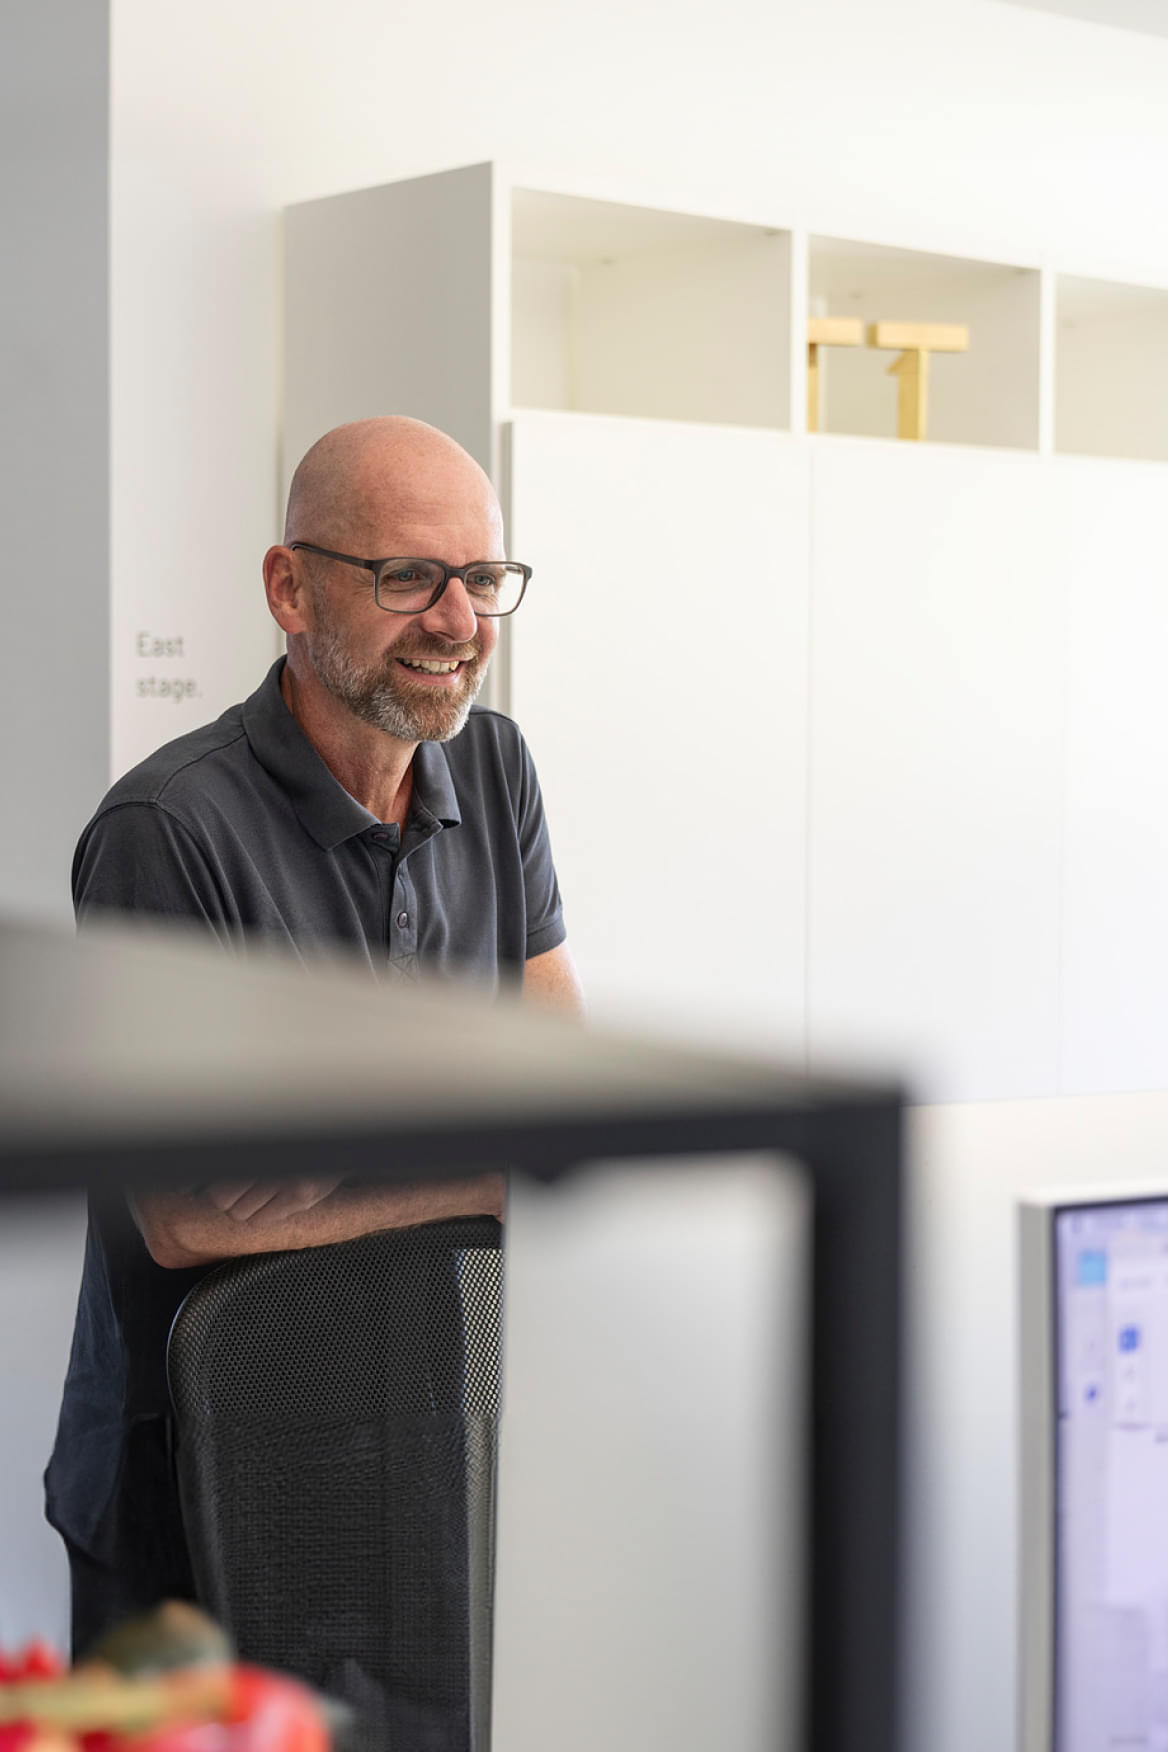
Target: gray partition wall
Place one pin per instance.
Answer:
(54, 657)
(54, 439)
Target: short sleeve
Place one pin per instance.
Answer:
(136, 857)
(545, 915)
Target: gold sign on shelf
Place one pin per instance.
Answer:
(914, 341)
(827, 331)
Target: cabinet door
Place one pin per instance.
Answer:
(659, 674)
(936, 767)
(1110, 544)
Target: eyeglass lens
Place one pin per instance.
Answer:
(494, 587)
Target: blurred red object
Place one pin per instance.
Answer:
(37, 1660)
(268, 1712)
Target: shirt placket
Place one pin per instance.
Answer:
(403, 917)
(404, 922)
(384, 841)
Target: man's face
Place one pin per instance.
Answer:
(369, 659)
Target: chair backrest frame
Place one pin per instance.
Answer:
(336, 1414)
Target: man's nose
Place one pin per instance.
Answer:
(452, 616)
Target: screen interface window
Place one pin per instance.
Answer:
(1111, 1619)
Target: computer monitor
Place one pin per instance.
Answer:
(1094, 1622)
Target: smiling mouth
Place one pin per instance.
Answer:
(429, 666)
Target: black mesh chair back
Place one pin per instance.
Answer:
(337, 1419)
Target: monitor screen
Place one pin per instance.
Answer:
(1111, 1476)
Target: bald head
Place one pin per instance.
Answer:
(360, 480)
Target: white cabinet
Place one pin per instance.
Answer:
(659, 673)
(848, 745)
(936, 766)
(1109, 538)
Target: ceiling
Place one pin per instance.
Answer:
(1146, 15)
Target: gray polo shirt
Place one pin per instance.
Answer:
(242, 827)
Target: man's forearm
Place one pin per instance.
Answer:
(183, 1229)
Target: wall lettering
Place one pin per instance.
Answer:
(163, 687)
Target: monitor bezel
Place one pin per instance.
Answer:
(1040, 1559)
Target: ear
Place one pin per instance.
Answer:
(285, 589)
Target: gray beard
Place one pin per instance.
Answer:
(374, 693)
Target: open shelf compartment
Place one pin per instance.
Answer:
(1111, 369)
(634, 310)
(988, 394)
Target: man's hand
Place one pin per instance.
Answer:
(268, 1200)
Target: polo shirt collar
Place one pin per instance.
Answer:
(323, 806)
(434, 784)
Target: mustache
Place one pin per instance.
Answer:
(439, 650)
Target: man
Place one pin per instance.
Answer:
(355, 800)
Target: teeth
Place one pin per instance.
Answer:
(430, 668)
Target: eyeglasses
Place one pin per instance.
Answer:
(408, 586)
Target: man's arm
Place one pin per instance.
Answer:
(551, 978)
(264, 1216)
(234, 1218)
(549, 973)
(230, 1218)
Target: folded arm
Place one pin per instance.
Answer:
(229, 1219)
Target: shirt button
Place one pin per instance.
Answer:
(379, 835)
(402, 920)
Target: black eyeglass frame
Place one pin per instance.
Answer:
(377, 567)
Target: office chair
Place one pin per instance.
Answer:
(336, 1414)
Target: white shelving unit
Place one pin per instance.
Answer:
(817, 716)
(473, 297)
